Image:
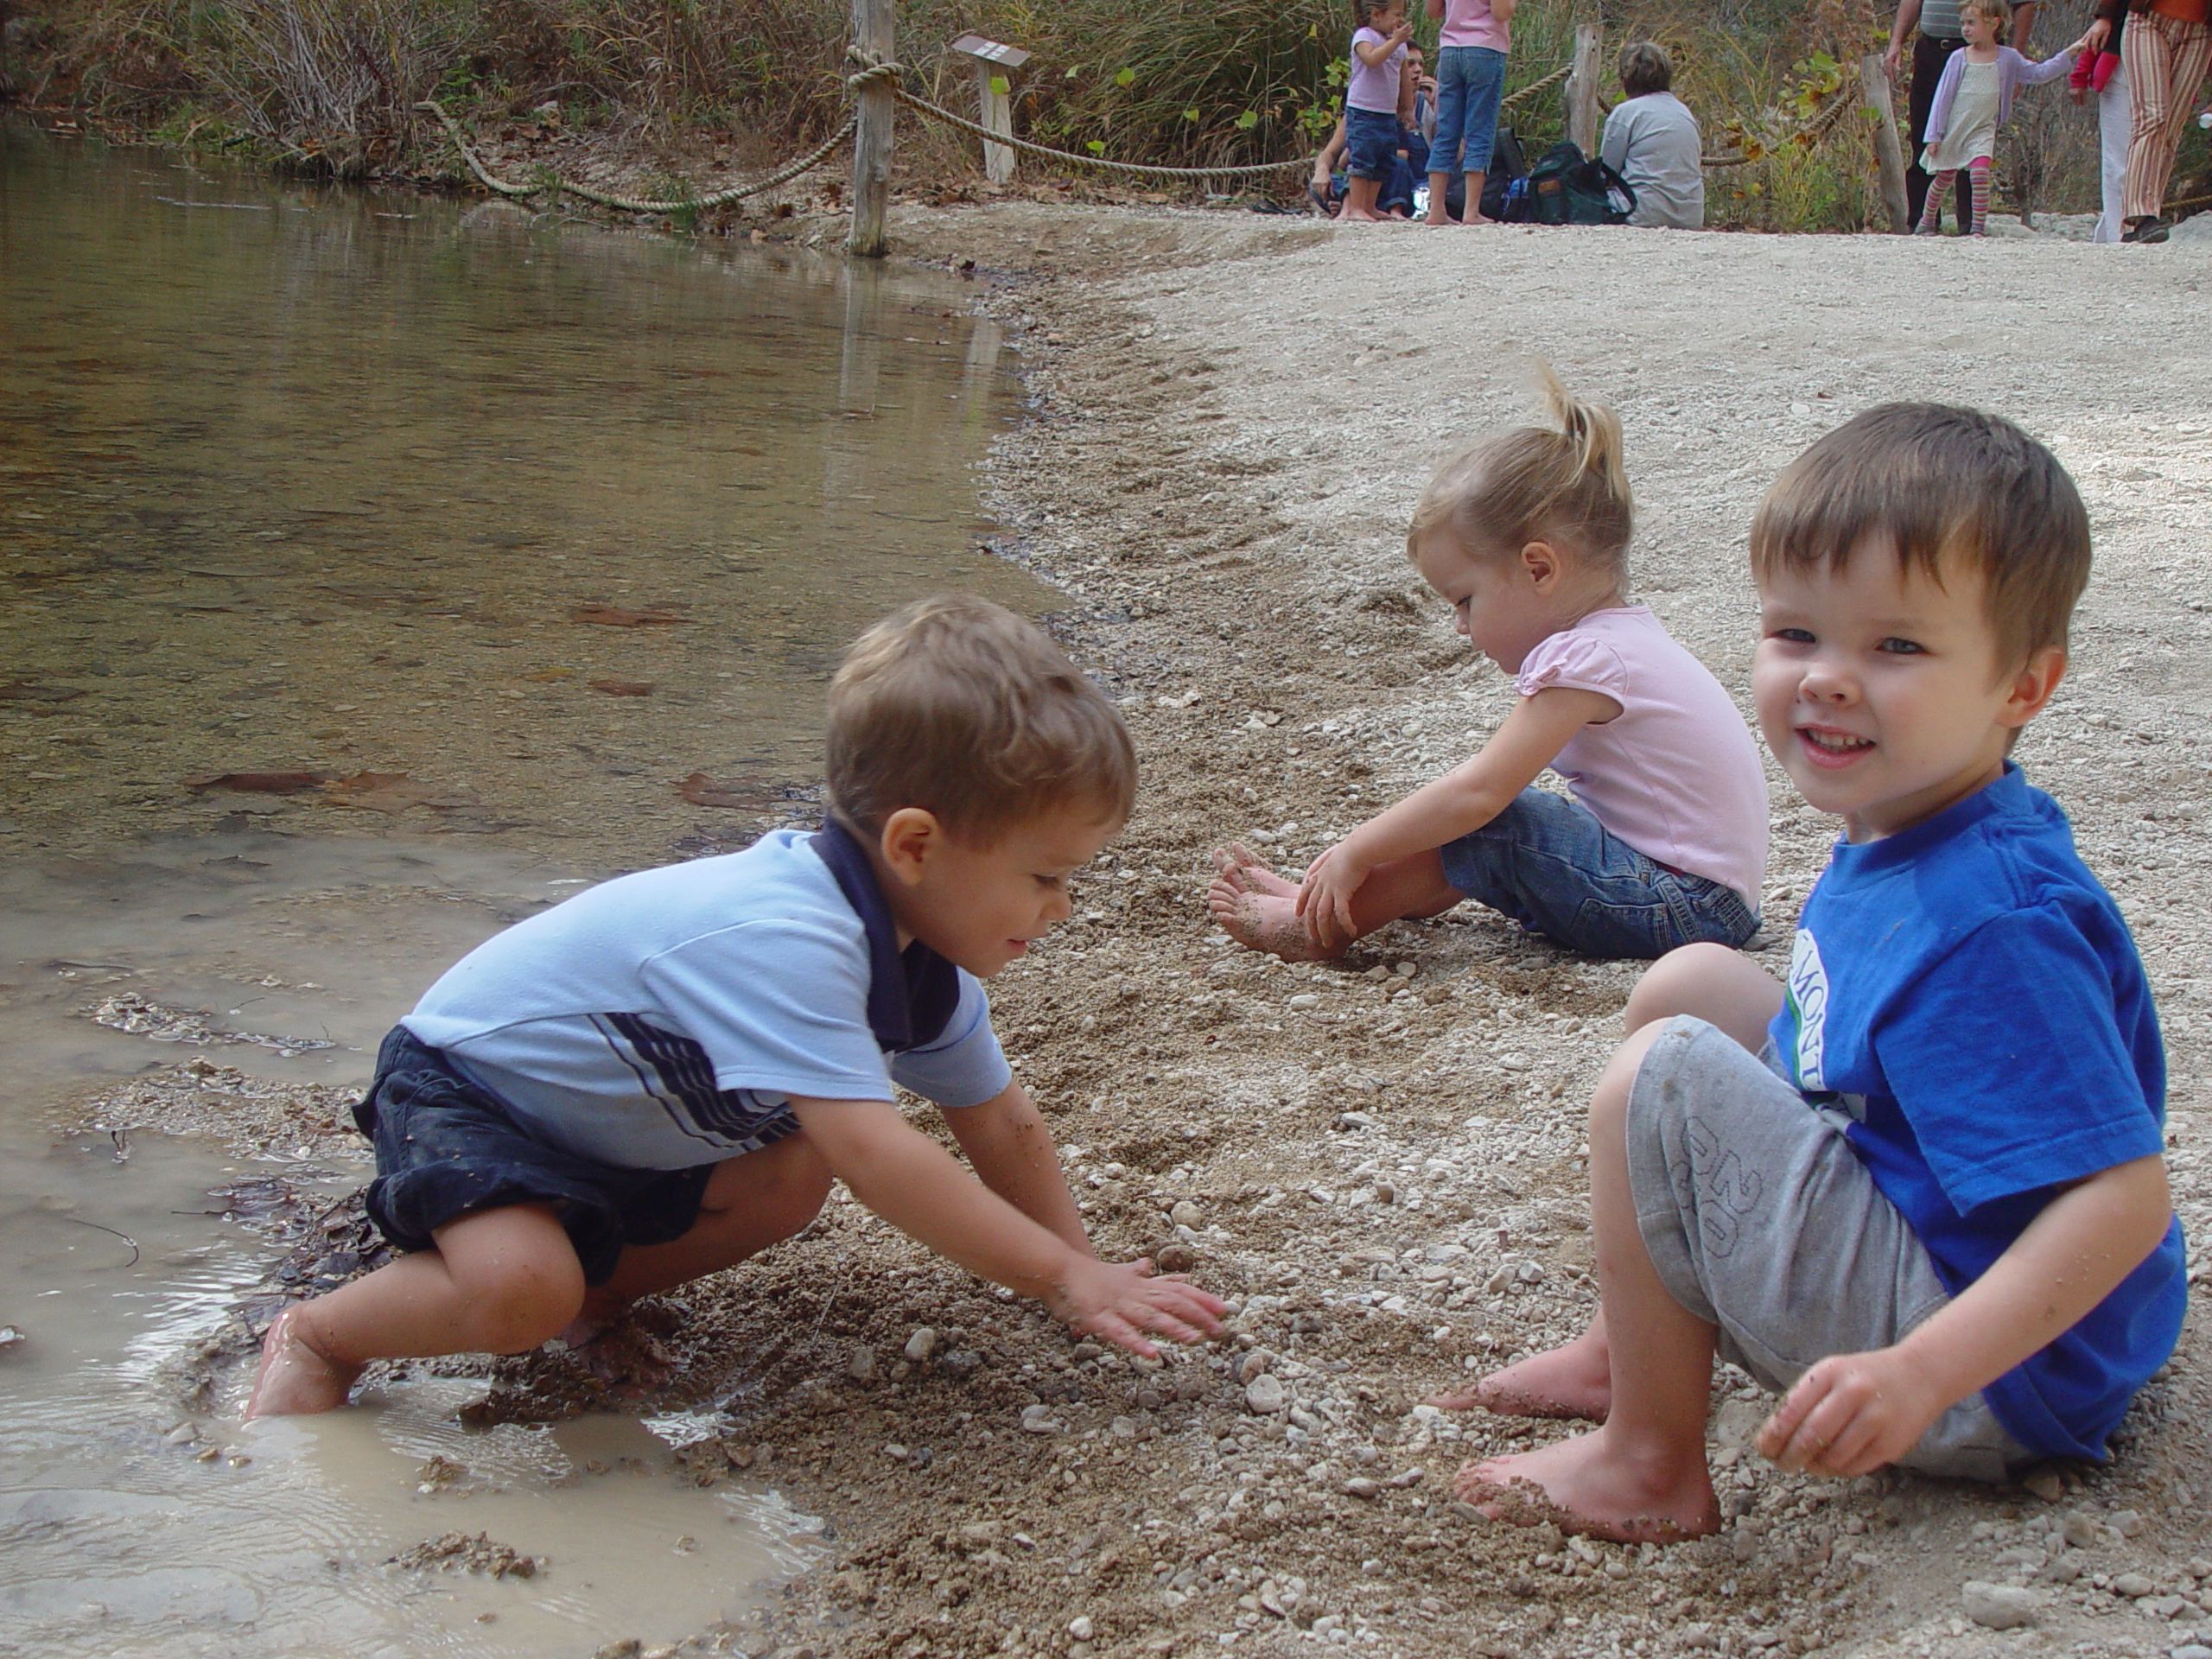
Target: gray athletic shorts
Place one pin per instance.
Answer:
(1762, 1221)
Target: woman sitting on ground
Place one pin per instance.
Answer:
(1651, 140)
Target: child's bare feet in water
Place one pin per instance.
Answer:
(296, 1379)
(1597, 1483)
(1573, 1381)
(1258, 909)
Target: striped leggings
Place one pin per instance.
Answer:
(1931, 217)
(2166, 59)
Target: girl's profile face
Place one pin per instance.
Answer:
(1978, 26)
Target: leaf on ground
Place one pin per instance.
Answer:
(261, 783)
(745, 794)
(624, 688)
(608, 616)
(382, 792)
(543, 675)
(28, 691)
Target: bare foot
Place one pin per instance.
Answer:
(1575, 1380)
(1258, 909)
(296, 1379)
(1592, 1484)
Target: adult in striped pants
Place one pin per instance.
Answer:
(2166, 49)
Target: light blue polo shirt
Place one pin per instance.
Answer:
(661, 1019)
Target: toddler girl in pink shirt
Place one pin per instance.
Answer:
(1663, 841)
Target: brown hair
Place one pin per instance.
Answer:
(1645, 68)
(1938, 483)
(1566, 483)
(1366, 12)
(960, 706)
(1997, 10)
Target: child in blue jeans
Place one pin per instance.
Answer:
(1663, 843)
(1470, 82)
(1376, 103)
(1919, 1190)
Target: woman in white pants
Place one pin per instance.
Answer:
(2115, 123)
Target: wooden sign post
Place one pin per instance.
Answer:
(994, 65)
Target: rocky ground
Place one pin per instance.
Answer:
(1381, 1163)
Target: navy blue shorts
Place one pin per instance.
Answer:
(1370, 142)
(448, 1148)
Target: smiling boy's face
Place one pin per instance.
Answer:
(1882, 691)
(981, 907)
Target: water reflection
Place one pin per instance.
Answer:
(297, 478)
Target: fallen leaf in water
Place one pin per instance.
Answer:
(381, 792)
(747, 794)
(262, 782)
(26, 691)
(624, 688)
(607, 616)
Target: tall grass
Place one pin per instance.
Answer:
(1231, 81)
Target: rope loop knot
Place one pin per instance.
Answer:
(874, 71)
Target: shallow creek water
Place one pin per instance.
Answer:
(303, 480)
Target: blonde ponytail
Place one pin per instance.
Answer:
(1565, 482)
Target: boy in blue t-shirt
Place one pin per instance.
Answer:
(1920, 1191)
(660, 1077)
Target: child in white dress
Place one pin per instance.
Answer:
(1973, 100)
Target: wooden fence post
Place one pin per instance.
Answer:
(1889, 154)
(875, 32)
(1582, 88)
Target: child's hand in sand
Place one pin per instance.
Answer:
(1324, 897)
(1851, 1413)
(1127, 1304)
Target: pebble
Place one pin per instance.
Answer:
(1514, 1062)
(1186, 1214)
(1265, 1395)
(2126, 1522)
(2000, 1606)
(2081, 1529)
(1081, 1628)
(2191, 1651)
(1038, 1420)
(1362, 1486)
(2134, 1585)
(2045, 1484)
(920, 1345)
(183, 1434)
(861, 1366)
(1304, 999)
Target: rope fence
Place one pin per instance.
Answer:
(889, 74)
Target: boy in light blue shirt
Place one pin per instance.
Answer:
(1920, 1191)
(661, 1077)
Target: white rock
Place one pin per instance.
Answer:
(2000, 1606)
(1265, 1395)
(920, 1345)
(1186, 1214)
(1514, 1062)
(1081, 1628)
(2134, 1585)
(1304, 999)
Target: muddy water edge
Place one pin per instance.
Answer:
(375, 569)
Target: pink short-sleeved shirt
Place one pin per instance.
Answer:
(1676, 775)
(1469, 23)
(1374, 87)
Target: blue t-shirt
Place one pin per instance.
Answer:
(1968, 992)
(661, 1019)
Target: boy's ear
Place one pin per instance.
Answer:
(910, 838)
(2033, 687)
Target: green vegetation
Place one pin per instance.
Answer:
(328, 83)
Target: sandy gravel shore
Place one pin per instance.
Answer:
(1382, 1162)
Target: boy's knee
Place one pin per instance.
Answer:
(524, 1301)
(1670, 985)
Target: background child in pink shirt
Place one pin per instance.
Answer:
(1376, 101)
(1664, 841)
(1470, 85)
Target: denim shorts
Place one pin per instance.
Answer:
(1469, 81)
(1370, 141)
(1761, 1221)
(1547, 862)
(448, 1148)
